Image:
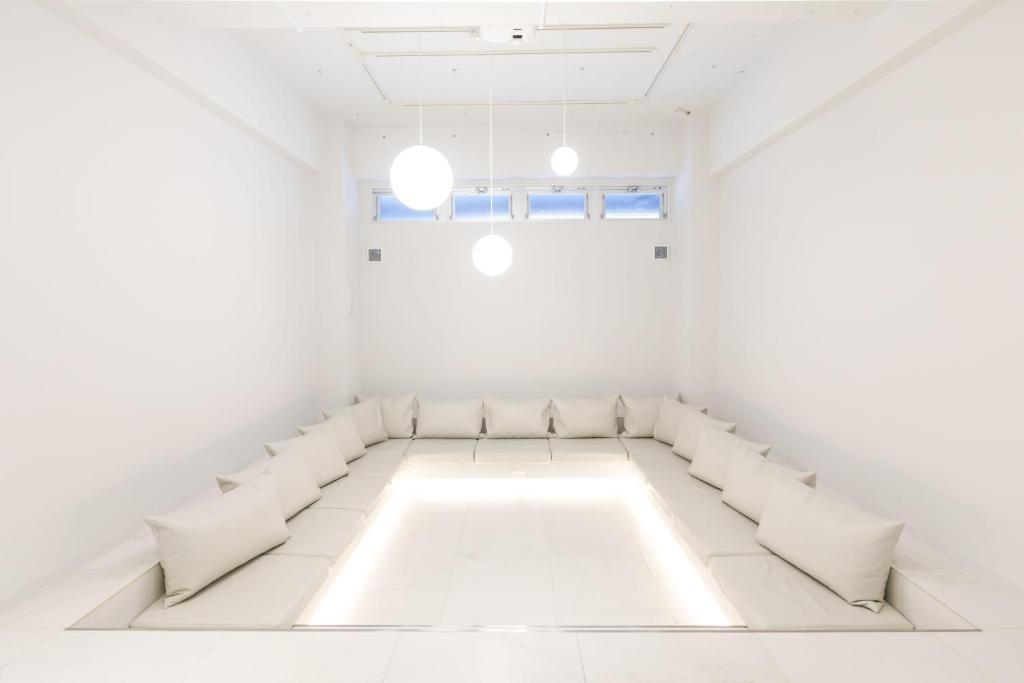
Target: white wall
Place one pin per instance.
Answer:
(871, 292)
(583, 311)
(524, 150)
(158, 295)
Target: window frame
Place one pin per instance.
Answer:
(378, 193)
(482, 190)
(553, 190)
(635, 189)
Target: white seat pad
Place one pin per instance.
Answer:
(678, 492)
(354, 492)
(716, 531)
(770, 593)
(441, 450)
(382, 463)
(655, 457)
(390, 446)
(268, 592)
(321, 533)
(515, 451)
(600, 449)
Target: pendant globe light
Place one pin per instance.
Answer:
(420, 176)
(564, 159)
(492, 254)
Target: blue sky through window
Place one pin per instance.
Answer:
(632, 205)
(477, 207)
(558, 205)
(389, 208)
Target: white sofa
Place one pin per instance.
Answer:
(271, 590)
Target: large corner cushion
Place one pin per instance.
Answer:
(715, 531)
(321, 533)
(269, 592)
(676, 493)
(587, 450)
(847, 548)
(361, 492)
(771, 594)
(513, 451)
(441, 451)
(382, 459)
(369, 420)
(397, 413)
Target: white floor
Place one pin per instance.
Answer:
(552, 546)
(35, 647)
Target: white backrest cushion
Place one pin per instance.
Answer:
(666, 426)
(449, 419)
(750, 477)
(840, 544)
(369, 419)
(692, 424)
(295, 485)
(346, 434)
(639, 416)
(397, 413)
(580, 418)
(200, 543)
(715, 450)
(517, 419)
(320, 449)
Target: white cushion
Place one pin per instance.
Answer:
(321, 533)
(750, 477)
(356, 492)
(320, 449)
(654, 457)
(449, 419)
(639, 416)
(296, 487)
(513, 451)
(840, 544)
(717, 530)
(587, 450)
(676, 494)
(692, 424)
(269, 592)
(369, 419)
(509, 419)
(769, 593)
(441, 450)
(715, 450)
(202, 542)
(577, 418)
(667, 425)
(343, 426)
(397, 413)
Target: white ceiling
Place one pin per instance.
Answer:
(624, 62)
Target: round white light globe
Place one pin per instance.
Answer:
(564, 160)
(492, 255)
(421, 177)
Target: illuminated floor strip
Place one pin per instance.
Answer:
(680, 578)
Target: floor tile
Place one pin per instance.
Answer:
(15, 640)
(497, 614)
(431, 533)
(614, 617)
(400, 588)
(590, 534)
(875, 657)
(503, 534)
(981, 603)
(490, 657)
(507, 501)
(997, 654)
(604, 582)
(510, 580)
(675, 658)
(111, 657)
(297, 657)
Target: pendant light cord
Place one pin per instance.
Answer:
(419, 78)
(563, 91)
(491, 134)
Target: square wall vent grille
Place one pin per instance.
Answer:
(661, 252)
(374, 255)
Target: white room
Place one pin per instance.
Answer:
(519, 341)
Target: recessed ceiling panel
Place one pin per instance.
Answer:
(516, 78)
